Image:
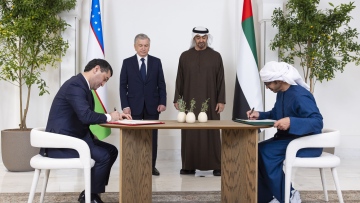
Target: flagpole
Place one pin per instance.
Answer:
(70, 62)
(267, 33)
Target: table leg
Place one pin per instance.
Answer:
(135, 166)
(239, 166)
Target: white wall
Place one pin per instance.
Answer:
(169, 25)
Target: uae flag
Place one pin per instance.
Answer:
(95, 49)
(247, 93)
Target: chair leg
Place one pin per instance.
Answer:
(43, 190)
(288, 171)
(323, 181)
(87, 178)
(337, 185)
(33, 185)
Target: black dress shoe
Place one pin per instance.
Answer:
(217, 172)
(95, 198)
(81, 198)
(187, 172)
(155, 172)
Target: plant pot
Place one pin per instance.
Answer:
(16, 150)
(181, 117)
(202, 117)
(190, 117)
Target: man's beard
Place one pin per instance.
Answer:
(201, 45)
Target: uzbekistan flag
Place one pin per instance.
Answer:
(95, 49)
(247, 93)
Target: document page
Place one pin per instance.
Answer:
(136, 122)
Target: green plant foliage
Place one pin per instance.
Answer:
(192, 105)
(205, 105)
(181, 104)
(30, 40)
(322, 39)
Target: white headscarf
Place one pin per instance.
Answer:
(282, 71)
(200, 30)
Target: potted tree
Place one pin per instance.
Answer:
(202, 117)
(322, 40)
(182, 107)
(190, 116)
(30, 37)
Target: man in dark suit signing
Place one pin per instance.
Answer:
(143, 88)
(71, 113)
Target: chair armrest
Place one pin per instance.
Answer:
(329, 138)
(40, 138)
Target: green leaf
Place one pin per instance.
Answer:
(321, 40)
(30, 31)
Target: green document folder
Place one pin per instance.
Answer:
(265, 122)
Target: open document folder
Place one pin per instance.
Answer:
(135, 122)
(264, 122)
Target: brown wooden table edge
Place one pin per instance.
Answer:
(173, 124)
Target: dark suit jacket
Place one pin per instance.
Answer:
(72, 110)
(134, 92)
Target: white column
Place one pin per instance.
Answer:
(267, 33)
(70, 62)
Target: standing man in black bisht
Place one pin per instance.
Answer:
(201, 149)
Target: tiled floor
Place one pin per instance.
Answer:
(171, 180)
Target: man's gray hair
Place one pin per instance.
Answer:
(141, 36)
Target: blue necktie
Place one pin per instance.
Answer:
(143, 69)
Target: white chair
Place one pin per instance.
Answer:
(328, 138)
(40, 138)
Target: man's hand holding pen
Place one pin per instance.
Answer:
(252, 115)
(115, 115)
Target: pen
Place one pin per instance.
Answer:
(252, 110)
